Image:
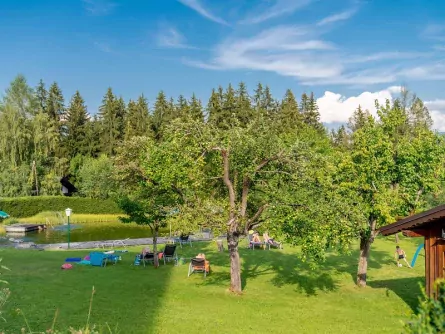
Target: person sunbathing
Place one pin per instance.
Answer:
(256, 238)
(206, 262)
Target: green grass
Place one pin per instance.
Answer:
(281, 294)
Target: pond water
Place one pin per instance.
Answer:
(87, 232)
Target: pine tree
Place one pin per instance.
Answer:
(214, 107)
(111, 114)
(358, 119)
(310, 113)
(56, 103)
(244, 112)
(42, 96)
(258, 98)
(304, 104)
(137, 118)
(160, 115)
(419, 115)
(92, 137)
(290, 116)
(340, 138)
(182, 108)
(195, 109)
(269, 104)
(227, 101)
(76, 122)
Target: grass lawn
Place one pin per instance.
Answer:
(281, 294)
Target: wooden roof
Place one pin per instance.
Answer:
(415, 221)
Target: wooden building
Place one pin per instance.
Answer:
(430, 225)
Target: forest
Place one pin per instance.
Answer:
(238, 161)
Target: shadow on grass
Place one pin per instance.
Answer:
(126, 297)
(408, 289)
(286, 269)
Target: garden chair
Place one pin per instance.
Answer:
(198, 265)
(148, 257)
(275, 244)
(98, 259)
(184, 239)
(169, 253)
(252, 244)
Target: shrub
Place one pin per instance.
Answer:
(430, 318)
(21, 207)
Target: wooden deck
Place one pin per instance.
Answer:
(22, 228)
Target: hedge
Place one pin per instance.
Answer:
(21, 207)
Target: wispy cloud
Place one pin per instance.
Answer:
(434, 31)
(337, 17)
(199, 8)
(104, 47)
(169, 37)
(99, 7)
(302, 53)
(280, 7)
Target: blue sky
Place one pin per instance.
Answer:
(346, 51)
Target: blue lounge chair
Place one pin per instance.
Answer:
(98, 259)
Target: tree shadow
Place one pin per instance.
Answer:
(287, 269)
(122, 292)
(408, 289)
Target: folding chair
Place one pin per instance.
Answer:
(169, 253)
(198, 265)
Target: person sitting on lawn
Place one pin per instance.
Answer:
(399, 255)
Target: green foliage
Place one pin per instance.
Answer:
(20, 207)
(95, 178)
(430, 317)
(75, 127)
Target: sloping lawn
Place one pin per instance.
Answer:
(281, 294)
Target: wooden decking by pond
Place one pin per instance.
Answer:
(22, 228)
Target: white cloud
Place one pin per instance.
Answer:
(337, 108)
(199, 8)
(99, 7)
(337, 17)
(300, 52)
(434, 31)
(437, 112)
(430, 71)
(280, 7)
(169, 37)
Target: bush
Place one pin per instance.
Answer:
(430, 318)
(21, 207)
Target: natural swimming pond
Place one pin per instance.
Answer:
(87, 232)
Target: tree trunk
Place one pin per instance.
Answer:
(365, 248)
(235, 266)
(155, 248)
(397, 238)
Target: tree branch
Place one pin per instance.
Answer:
(264, 162)
(251, 221)
(228, 182)
(244, 195)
